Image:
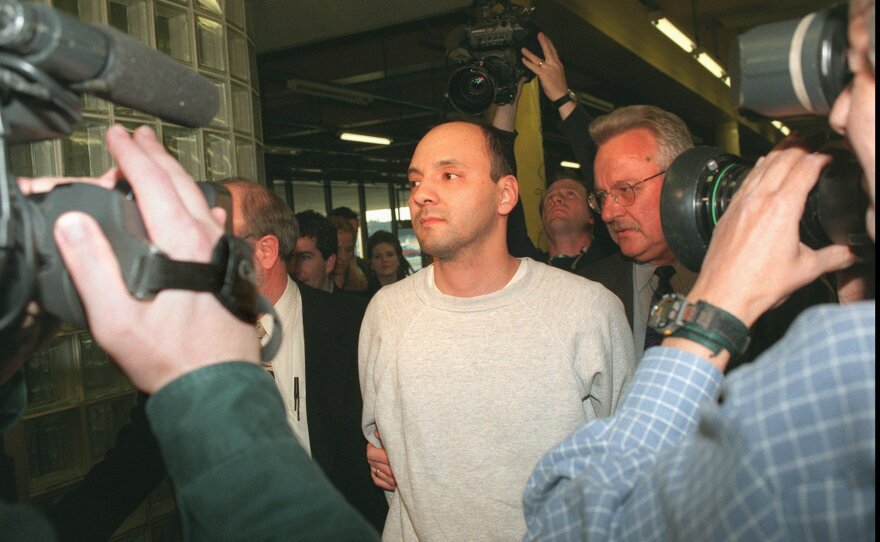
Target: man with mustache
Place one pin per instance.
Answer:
(475, 365)
(781, 449)
(636, 144)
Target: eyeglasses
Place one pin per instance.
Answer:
(622, 193)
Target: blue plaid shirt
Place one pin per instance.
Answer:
(783, 450)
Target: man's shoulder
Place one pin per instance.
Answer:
(555, 281)
(612, 263)
(402, 289)
(832, 340)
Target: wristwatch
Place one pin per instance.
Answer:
(569, 96)
(706, 324)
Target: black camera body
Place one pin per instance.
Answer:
(490, 63)
(702, 181)
(780, 70)
(47, 59)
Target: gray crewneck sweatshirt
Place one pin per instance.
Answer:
(468, 393)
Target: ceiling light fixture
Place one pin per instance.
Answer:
(363, 138)
(570, 164)
(594, 102)
(781, 127)
(672, 32)
(668, 29)
(713, 66)
(323, 90)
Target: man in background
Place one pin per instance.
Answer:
(315, 254)
(316, 367)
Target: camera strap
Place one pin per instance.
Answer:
(229, 276)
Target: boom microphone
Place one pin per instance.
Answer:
(107, 63)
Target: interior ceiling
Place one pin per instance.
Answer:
(389, 59)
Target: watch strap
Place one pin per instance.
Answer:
(716, 329)
(567, 97)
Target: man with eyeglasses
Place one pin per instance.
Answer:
(783, 449)
(635, 146)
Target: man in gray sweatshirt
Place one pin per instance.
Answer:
(476, 365)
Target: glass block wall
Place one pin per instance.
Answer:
(78, 399)
(211, 36)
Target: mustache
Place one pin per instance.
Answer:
(620, 225)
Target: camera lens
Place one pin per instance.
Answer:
(701, 182)
(791, 68)
(471, 89)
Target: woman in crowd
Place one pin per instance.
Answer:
(387, 264)
(347, 275)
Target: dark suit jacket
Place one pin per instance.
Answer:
(116, 486)
(614, 272)
(331, 325)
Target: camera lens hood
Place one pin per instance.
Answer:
(695, 192)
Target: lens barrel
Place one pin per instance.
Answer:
(791, 68)
(471, 88)
(702, 181)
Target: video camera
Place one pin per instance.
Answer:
(46, 60)
(488, 54)
(786, 69)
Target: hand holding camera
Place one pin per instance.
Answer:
(155, 341)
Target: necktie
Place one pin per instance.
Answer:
(664, 286)
(267, 365)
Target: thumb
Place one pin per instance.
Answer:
(92, 266)
(834, 258)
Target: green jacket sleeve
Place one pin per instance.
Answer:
(237, 470)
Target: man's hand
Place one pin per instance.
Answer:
(380, 469)
(550, 73)
(157, 341)
(756, 259)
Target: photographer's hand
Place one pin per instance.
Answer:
(157, 341)
(550, 73)
(756, 259)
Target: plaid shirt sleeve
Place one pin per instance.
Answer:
(785, 451)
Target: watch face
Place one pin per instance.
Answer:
(664, 315)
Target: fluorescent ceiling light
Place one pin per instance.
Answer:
(363, 138)
(672, 32)
(323, 90)
(781, 127)
(681, 39)
(597, 103)
(714, 67)
(569, 164)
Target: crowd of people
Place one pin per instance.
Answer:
(502, 392)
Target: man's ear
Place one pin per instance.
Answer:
(329, 264)
(508, 194)
(266, 252)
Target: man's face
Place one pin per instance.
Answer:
(565, 208)
(853, 112)
(309, 266)
(453, 202)
(629, 158)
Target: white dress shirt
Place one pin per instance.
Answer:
(289, 365)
